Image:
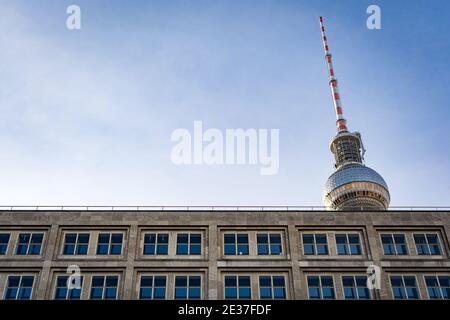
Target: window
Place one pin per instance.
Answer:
(404, 287)
(187, 287)
(110, 243)
(394, 244)
(152, 287)
(355, 287)
(62, 292)
(19, 287)
(29, 243)
(438, 287)
(427, 244)
(272, 287)
(315, 244)
(269, 244)
(76, 243)
(237, 287)
(104, 287)
(4, 240)
(189, 243)
(348, 244)
(235, 244)
(320, 287)
(156, 243)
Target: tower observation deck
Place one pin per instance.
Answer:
(353, 186)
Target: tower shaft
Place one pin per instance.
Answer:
(341, 123)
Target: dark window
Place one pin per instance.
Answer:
(19, 287)
(104, 287)
(189, 244)
(348, 244)
(315, 244)
(156, 243)
(427, 244)
(394, 244)
(355, 287)
(404, 287)
(438, 287)
(272, 287)
(4, 240)
(63, 292)
(29, 243)
(76, 243)
(187, 287)
(152, 287)
(109, 243)
(237, 287)
(269, 244)
(321, 287)
(235, 244)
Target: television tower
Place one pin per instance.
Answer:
(353, 186)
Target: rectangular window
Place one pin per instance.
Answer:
(235, 244)
(29, 243)
(394, 244)
(237, 287)
(76, 243)
(152, 287)
(63, 292)
(110, 243)
(427, 244)
(348, 244)
(438, 287)
(269, 244)
(19, 288)
(320, 287)
(315, 244)
(272, 287)
(156, 243)
(404, 287)
(187, 287)
(189, 244)
(355, 287)
(4, 240)
(104, 287)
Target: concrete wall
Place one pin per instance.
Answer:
(212, 265)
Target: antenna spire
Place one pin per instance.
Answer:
(341, 123)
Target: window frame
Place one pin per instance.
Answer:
(269, 243)
(237, 286)
(29, 243)
(347, 244)
(104, 287)
(408, 251)
(404, 286)
(156, 244)
(153, 275)
(76, 244)
(110, 243)
(272, 287)
(19, 287)
(314, 234)
(354, 276)
(189, 243)
(424, 233)
(187, 276)
(440, 287)
(321, 287)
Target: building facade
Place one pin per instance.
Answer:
(205, 254)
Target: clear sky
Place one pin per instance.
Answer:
(87, 115)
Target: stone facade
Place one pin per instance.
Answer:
(212, 265)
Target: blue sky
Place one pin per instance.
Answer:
(86, 116)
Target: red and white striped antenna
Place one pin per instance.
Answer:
(341, 123)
